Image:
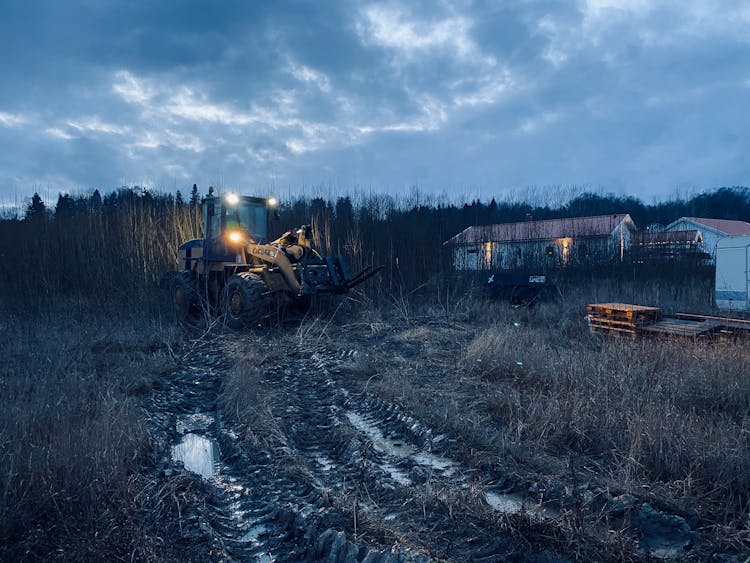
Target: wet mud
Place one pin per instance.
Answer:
(348, 476)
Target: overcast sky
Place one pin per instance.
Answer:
(636, 96)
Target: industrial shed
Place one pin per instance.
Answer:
(548, 244)
(712, 230)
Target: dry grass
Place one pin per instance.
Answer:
(73, 432)
(245, 398)
(527, 391)
(535, 393)
(667, 411)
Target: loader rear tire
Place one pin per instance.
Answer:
(246, 301)
(180, 296)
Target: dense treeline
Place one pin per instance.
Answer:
(120, 244)
(107, 248)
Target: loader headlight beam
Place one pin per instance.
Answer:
(235, 237)
(272, 202)
(232, 198)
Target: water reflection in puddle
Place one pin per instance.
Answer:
(199, 454)
(390, 447)
(441, 464)
(507, 503)
(516, 503)
(399, 449)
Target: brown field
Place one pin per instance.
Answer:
(438, 422)
(412, 420)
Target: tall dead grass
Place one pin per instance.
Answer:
(73, 434)
(534, 387)
(115, 253)
(671, 411)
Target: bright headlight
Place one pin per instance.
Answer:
(272, 202)
(232, 198)
(235, 236)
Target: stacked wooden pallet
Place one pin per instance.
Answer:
(633, 320)
(621, 318)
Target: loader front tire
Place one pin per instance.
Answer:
(246, 300)
(180, 296)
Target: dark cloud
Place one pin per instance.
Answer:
(464, 97)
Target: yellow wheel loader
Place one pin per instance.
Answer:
(235, 272)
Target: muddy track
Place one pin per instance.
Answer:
(386, 466)
(410, 483)
(249, 510)
(347, 476)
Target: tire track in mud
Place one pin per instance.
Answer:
(348, 476)
(404, 481)
(388, 467)
(249, 510)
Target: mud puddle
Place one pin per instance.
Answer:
(398, 448)
(517, 503)
(248, 506)
(198, 454)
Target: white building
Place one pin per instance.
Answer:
(733, 273)
(712, 230)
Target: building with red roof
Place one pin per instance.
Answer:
(712, 230)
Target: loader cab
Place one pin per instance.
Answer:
(231, 220)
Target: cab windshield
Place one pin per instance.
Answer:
(246, 216)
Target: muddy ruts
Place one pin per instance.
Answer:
(410, 480)
(386, 466)
(247, 510)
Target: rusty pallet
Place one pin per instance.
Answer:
(612, 330)
(614, 322)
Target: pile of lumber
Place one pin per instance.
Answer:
(620, 318)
